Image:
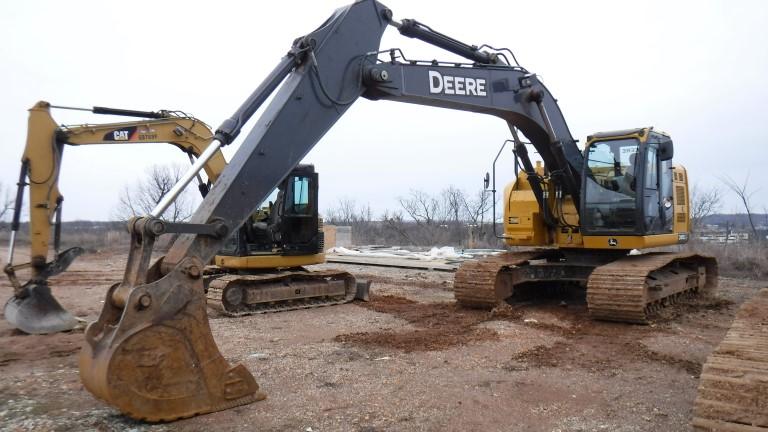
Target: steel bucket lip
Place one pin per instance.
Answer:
(38, 312)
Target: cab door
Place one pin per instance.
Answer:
(667, 201)
(657, 193)
(651, 203)
(299, 219)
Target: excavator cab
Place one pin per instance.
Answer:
(287, 226)
(262, 269)
(628, 186)
(299, 223)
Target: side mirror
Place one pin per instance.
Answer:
(486, 181)
(666, 150)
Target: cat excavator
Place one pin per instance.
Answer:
(151, 353)
(262, 272)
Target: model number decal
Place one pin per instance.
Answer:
(456, 85)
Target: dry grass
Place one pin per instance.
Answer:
(91, 240)
(748, 260)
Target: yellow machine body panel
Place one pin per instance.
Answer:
(524, 223)
(682, 221)
(569, 237)
(266, 261)
(629, 242)
(44, 193)
(189, 134)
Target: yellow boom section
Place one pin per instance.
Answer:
(45, 140)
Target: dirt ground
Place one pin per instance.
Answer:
(408, 360)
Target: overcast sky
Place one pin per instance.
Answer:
(695, 69)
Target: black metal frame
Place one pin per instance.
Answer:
(285, 233)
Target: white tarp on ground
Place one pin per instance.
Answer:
(436, 253)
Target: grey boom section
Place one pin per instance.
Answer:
(300, 113)
(507, 92)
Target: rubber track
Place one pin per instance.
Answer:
(617, 291)
(474, 284)
(733, 392)
(217, 286)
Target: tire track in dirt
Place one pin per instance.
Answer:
(588, 344)
(438, 326)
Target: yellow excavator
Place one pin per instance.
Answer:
(628, 196)
(151, 353)
(259, 271)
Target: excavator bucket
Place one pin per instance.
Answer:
(38, 312)
(153, 357)
(33, 309)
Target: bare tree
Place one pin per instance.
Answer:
(360, 217)
(348, 212)
(345, 211)
(395, 222)
(476, 207)
(364, 214)
(704, 202)
(423, 208)
(6, 202)
(765, 216)
(745, 195)
(431, 216)
(453, 203)
(141, 198)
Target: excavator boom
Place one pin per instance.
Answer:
(162, 305)
(151, 353)
(32, 308)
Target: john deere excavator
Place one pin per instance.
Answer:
(151, 353)
(622, 194)
(262, 273)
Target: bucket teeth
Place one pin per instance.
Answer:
(155, 359)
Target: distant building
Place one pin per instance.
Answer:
(723, 236)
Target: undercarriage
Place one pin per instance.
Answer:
(275, 291)
(620, 287)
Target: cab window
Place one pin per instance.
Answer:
(611, 186)
(300, 193)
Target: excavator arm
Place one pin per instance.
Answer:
(508, 92)
(151, 353)
(329, 74)
(32, 308)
